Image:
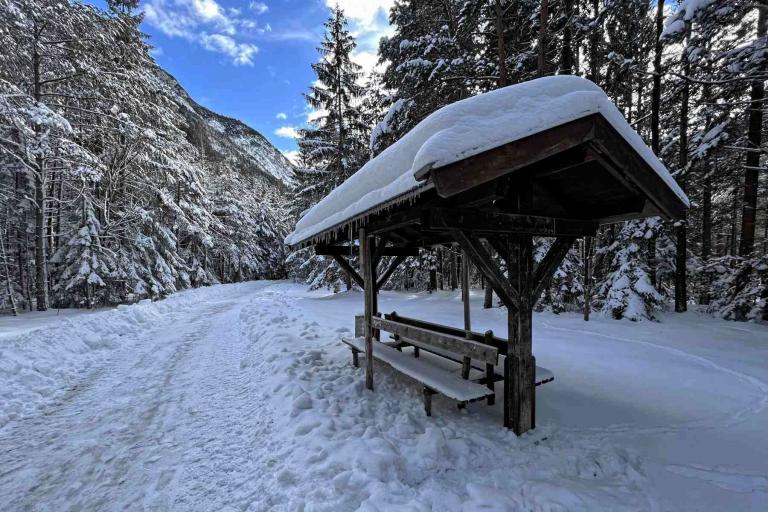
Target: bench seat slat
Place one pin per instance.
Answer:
(431, 376)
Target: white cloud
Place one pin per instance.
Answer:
(241, 53)
(292, 156)
(288, 132)
(259, 7)
(281, 115)
(369, 22)
(367, 60)
(367, 14)
(215, 27)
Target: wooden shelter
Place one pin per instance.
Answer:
(561, 182)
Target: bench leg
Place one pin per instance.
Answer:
(415, 351)
(490, 377)
(428, 401)
(461, 405)
(355, 359)
(465, 367)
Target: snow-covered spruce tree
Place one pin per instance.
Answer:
(626, 290)
(428, 57)
(566, 289)
(739, 287)
(336, 143)
(82, 264)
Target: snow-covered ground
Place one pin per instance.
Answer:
(241, 397)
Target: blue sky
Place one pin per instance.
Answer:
(251, 59)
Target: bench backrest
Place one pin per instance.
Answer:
(487, 338)
(438, 340)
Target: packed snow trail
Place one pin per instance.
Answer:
(241, 398)
(174, 400)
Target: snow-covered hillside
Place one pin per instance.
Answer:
(230, 140)
(240, 397)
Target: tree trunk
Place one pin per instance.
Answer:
(501, 47)
(541, 67)
(566, 55)
(41, 270)
(681, 251)
(7, 271)
(588, 252)
(752, 164)
(656, 91)
(594, 42)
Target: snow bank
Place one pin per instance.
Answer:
(39, 366)
(464, 129)
(336, 446)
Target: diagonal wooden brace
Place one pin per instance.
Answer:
(346, 267)
(474, 248)
(547, 267)
(390, 270)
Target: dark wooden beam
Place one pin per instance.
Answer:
(369, 287)
(546, 268)
(492, 164)
(510, 223)
(343, 250)
(474, 248)
(390, 270)
(636, 170)
(346, 267)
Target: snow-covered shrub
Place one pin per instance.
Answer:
(566, 289)
(739, 287)
(627, 291)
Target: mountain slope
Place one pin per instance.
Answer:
(227, 140)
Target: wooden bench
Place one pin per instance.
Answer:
(471, 350)
(434, 379)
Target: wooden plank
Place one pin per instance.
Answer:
(366, 260)
(487, 337)
(549, 265)
(455, 344)
(343, 250)
(637, 170)
(506, 292)
(346, 267)
(495, 163)
(388, 273)
(508, 223)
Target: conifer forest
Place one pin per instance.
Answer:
(117, 186)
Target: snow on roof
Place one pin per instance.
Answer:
(463, 129)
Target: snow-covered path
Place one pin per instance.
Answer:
(118, 440)
(240, 397)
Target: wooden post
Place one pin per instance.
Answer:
(466, 363)
(588, 249)
(465, 292)
(519, 379)
(369, 286)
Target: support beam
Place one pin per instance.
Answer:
(343, 250)
(366, 261)
(512, 223)
(474, 248)
(519, 369)
(544, 271)
(465, 293)
(388, 273)
(346, 267)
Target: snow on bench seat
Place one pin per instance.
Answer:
(434, 378)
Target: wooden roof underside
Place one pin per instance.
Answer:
(581, 174)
